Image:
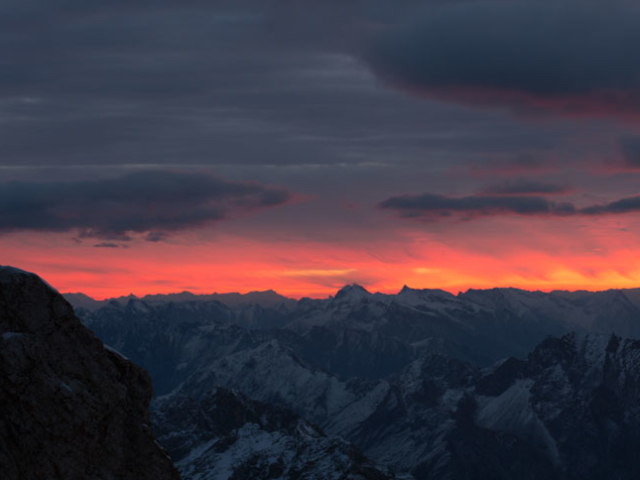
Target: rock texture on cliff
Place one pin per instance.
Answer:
(69, 407)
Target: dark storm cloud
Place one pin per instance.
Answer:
(630, 146)
(155, 237)
(522, 162)
(275, 91)
(572, 59)
(222, 82)
(109, 245)
(515, 164)
(152, 202)
(137, 82)
(430, 205)
(625, 205)
(526, 186)
(434, 207)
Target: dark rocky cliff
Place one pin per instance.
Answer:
(69, 408)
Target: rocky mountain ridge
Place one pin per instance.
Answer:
(424, 383)
(570, 410)
(222, 434)
(357, 334)
(71, 408)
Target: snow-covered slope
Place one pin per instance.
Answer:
(169, 340)
(273, 373)
(567, 411)
(224, 435)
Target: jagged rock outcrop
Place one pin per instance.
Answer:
(69, 407)
(224, 435)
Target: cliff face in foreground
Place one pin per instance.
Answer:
(69, 408)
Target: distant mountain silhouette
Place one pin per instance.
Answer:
(268, 298)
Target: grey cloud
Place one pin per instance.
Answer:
(109, 245)
(151, 202)
(524, 161)
(519, 164)
(231, 84)
(155, 237)
(434, 207)
(625, 205)
(430, 205)
(630, 146)
(272, 90)
(567, 58)
(526, 186)
(222, 82)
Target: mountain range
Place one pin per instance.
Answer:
(267, 298)
(488, 384)
(496, 384)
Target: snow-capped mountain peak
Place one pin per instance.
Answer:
(353, 292)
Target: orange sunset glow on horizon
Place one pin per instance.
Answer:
(305, 268)
(257, 147)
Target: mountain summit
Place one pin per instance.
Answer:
(352, 292)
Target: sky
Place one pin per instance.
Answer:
(217, 146)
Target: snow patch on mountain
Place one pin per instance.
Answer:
(511, 412)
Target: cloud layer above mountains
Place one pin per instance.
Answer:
(180, 130)
(567, 59)
(152, 202)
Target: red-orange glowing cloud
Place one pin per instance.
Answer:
(546, 255)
